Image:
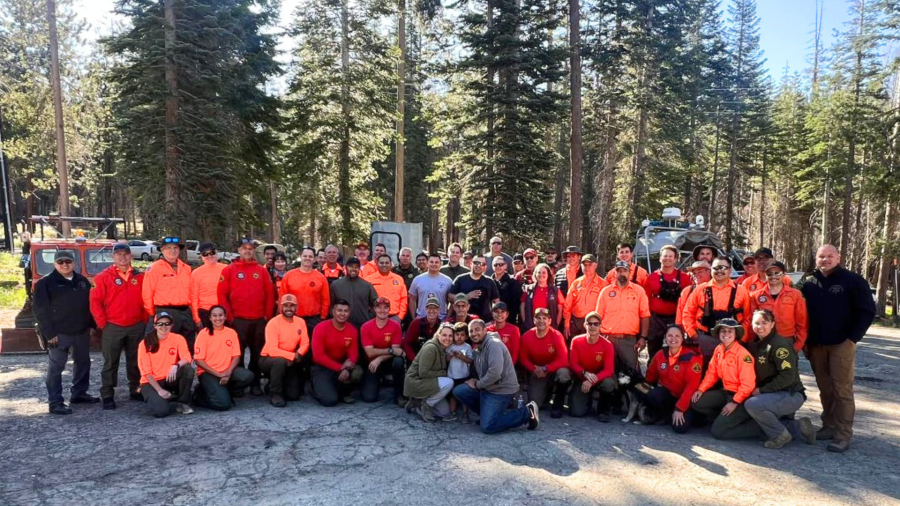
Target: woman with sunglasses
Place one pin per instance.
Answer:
(541, 293)
(166, 372)
(217, 353)
(676, 372)
(426, 379)
(205, 284)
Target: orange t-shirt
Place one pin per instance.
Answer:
(621, 309)
(204, 287)
(165, 286)
(311, 290)
(171, 349)
(217, 350)
(393, 287)
(285, 338)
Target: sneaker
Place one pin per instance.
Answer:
(278, 401)
(109, 403)
(825, 434)
(426, 412)
(348, 399)
(61, 409)
(534, 420)
(779, 442)
(838, 446)
(451, 417)
(183, 408)
(84, 399)
(807, 431)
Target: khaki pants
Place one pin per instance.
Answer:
(833, 366)
(625, 352)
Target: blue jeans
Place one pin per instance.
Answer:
(492, 409)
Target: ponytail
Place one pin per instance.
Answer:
(151, 341)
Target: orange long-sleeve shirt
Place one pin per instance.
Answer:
(204, 286)
(171, 349)
(791, 318)
(367, 270)
(754, 283)
(217, 350)
(621, 309)
(734, 366)
(679, 374)
(598, 358)
(165, 286)
(693, 308)
(549, 351)
(681, 303)
(640, 279)
(582, 297)
(311, 290)
(285, 338)
(393, 287)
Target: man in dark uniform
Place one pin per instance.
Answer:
(565, 277)
(63, 311)
(510, 289)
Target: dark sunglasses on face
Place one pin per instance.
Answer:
(496, 243)
(63, 262)
(749, 262)
(476, 262)
(720, 268)
(164, 324)
(208, 253)
(592, 324)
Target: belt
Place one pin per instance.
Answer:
(175, 308)
(620, 336)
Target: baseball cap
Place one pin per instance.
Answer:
(518, 257)
(749, 260)
(777, 264)
(383, 301)
(352, 261)
(432, 301)
(468, 254)
(63, 254)
(207, 246)
(764, 252)
(163, 314)
(288, 298)
(622, 264)
(701, 264)
(460, 297)
(500, 306)
(592, 314)
(542, 311)
(589, 258)
(243, 241)
(363, 245)
(121, 246)
(530, 252)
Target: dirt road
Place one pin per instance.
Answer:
(375, 454)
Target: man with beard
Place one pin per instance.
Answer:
(358, 292)
(715, 300)
(480, 290)
(625, 315)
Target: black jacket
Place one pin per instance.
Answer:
(511, 294)
(840, 307)
(408, 275)
(62, 306)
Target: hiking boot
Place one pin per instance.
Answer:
(402, 401)
(60, 409)
(278, 401)
(109, 403)
(779, 442)
(534, 418)
(451, 417)
(838, 446)
(426, 412)
(84, 399)
(807, 430)
(825, 434)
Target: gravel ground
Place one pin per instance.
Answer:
(376, 454)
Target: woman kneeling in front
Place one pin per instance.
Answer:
(217, 352)
(166, 372)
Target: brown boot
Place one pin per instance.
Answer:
(779, 442)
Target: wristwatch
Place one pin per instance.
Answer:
(391, 350)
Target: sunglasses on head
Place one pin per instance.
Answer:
(171, 240)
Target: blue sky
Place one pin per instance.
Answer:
(786, 27)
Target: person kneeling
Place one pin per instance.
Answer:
(335, 353)
(733, 365)
(426, 382)
(217, 352)
(166, 372)
(545, 358)
(676, 372)
(382, 339)
(287, 343)
(592, 360)
(491, 393)
(779, 391)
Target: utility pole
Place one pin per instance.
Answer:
(401, 96)
(61, 164)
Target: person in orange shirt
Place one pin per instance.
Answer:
(701, 272)
(733, 365)
(365, 266)
(310, 288)
(166, 372)
(786, 303)
(205, 284)
(331, 269)
(758, 281)
(636, 273)
(712, 301)
(282, 357)
(217, 353)
(750, 269)
(625, 313)
(167, 287)
(582, 297)
(391, 286)
(593, 363)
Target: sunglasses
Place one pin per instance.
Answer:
(163, 324)
(63, 262)
(208, 254)
(776, 274)
(721, 268)
(171, 240)
(750, 262)
(476, 262)
(496, 243)
(592, 324)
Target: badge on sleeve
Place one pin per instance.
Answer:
(748, 359)
(781, 353)
(696, 368)
(785, 364)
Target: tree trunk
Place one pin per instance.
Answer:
(401, 91)
(762, 197)
(605, 185)
(489, 88)
(710, 210)
(61, 162)
(344, 148)
(172, 223)
(576, 149)
(275, 226)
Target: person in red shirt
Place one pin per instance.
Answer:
(732, 365)
(676, 372)
(117, 307)
(545, 358)
(282, 358)
(508, 332)
(217, 353)
(526, 275)
(663, 289)
(382, 341)
(593, 362)
(541, 294)
(246, 293)
(166, 372)
(422, 329)
(335, 353)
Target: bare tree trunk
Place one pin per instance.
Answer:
(401, 95)
(710, 211)
(576, 149)
(605, 186)
(762, 197)
(275, 226)
(851, 144)
(172, 222)
(344, 148)
(61, 162)
(491, 194)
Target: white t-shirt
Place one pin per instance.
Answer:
(457, 369)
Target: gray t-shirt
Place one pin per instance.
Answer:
(425, 286)
(456, 368)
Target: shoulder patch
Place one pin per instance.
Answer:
(748, 359)
(781, 353)
(785, 364)
(612, 293)
(696, 368)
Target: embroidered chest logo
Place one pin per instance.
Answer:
(228, 343)
(396, 282)
(663, 366)
(172, 351)
(240, 275)
(255, 275)
(612, 294)
(761, 359)
(551, 349)
(752, 287)
(347, 342)
(133, 281)
(312, 284)
(836, 289)
(119, 281)
(763, 298)
(598, 356)
(387, 338)
(676, 368)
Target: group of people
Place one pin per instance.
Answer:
(500, 336)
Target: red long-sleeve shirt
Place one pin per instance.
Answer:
(245, 291)
(598, 358)
(117, 298)
(549, 351)
(331, 347)
(511, 337)
(680, 375)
